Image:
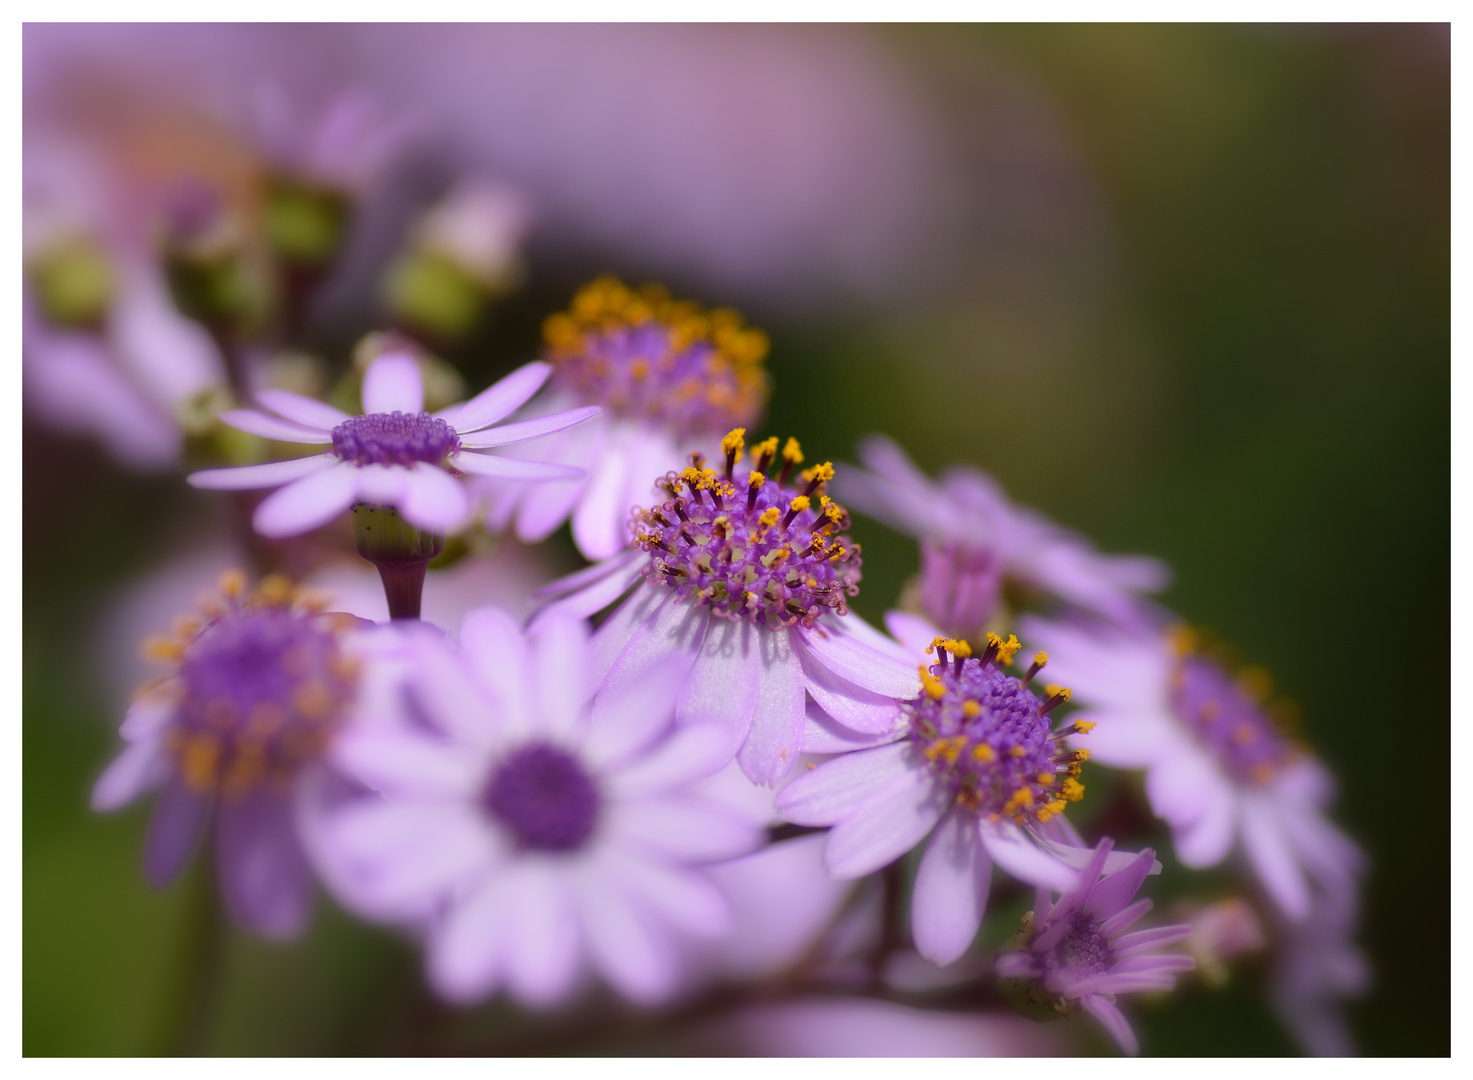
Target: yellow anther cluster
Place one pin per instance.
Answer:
(1084, 727)
(1072, 790)
(766, 448)
(734, 441)
(947, 750)
(1006, 650)
(822, 473)
(792, 452)
(933, 686)
(770, 516)
(982, 752)
(799, 504)
(971, 710)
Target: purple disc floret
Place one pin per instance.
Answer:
(394, 438)
(545, 797)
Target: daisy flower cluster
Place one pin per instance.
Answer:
(686, 776)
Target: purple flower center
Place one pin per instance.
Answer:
(645, 356)
(959, 585)
(263, 691)
(1082, 952)
(989, 737)
(394, 438)
(751, 550)
(1230, 723)
(545, 797)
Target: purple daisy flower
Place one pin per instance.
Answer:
(1219, 769)
(345, 144)
(744, 582)
(976, 760)
(260, 686)
(530, 831)
(667, 373)
(393, 454)
(1316, 966)
(1078, 951)
(974, 542)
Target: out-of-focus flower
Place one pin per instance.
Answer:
(745, 585)
(104, 351)
(976, 545)
(978, 761)
(463, 253)
(393, 454)
(851, 1027)
(1221, 932)
(1316, 966)
(259, 687)
(667, 374)
(1078, 951)
(534, 831)
(1219, 769)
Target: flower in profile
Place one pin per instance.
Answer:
(1077, 951)
(530, 831)
(744, 581)
(393, 454)
(667, 373)
(979, 766)
(260, 683)
(1220, 767)
(1316, 966)
(977, 547)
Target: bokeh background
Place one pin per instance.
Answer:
(1186, 289)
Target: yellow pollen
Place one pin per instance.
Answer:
(232, 583)
(949, 749)
(1256, 683)
(186, 626)
(201, 755)
(756, 479)
(274, 591)
(934, 687)
(1023, 797)
(1040, 658)
(735, 440)
(766, 448)
(640, 369)
(313, 699)
(1057, 806)
(1244, 734)
(162, 649)
(1072, 790)
(1006, 650)
(1083, 754)
(1017, 751)
(822, 473)
(983, 752)
(1084, 727)
(970, 709)
(791, 451)
(800, 504)
(1045, 778)
(769, 516)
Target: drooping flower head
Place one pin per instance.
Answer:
(642, 355)
(1220, 762)
(981, 554)
(743, 577)
(976, 758)
(261, 682)
(747, 548)
(1077, 951)
(393, 453)
(668, 374)
(533, 832)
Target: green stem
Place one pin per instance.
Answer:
(195, 987)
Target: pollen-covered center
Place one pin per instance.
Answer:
(641, 354)
(262, 693)
(1082, 951)
(1228, 717)
(394, 438)
(989, 736)
(545, 797)
(749, 546)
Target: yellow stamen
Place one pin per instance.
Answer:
(971, 710)
(799, 504)
(232, 583)
(769, 516)
(983, 752)
(933, 686)
(792, 452)
(1072, 790)
(734, 441)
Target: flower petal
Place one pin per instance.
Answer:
(860, 664)
(776, 736)
(303, 410)
(254, 477)
(723, 684)
(558, 660)
(824, 735)
(1207, 841)
(392, 384)
(173, 832)
(501, 398)
(505, 468)
(599, 522)
(467, 951)
(1114, 891)
(544, 946)
(638, 963)
(685, 829)
(305, 504)
(433, 500)
(1012, 850)
(850, 705)
(1272, 857)
(141, 767)
(950, 890)
(1113, 1020)
(886, 825)
(527, 430)
(264, 878)
(838, 788)
(272, 427)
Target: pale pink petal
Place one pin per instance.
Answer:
(302, 410)
(950, 890)
(1157, 937)
(599, 522)
(255, 477)
(723, 684)
(545, 506)
(1207, 841)
(305, 504)
(625, 721)
(838, 788)
(544, 947)
(851, 706)
(615, 632)
(493, 641)
(915, 632)
(501, 398)
(392, 384)
(776, 736)
(1113, 892)
(856, 662)
(670, 636)
(148, 716)
(683, 829)
(505, 468)
(824, 735)
(559, 675)
(681, 898)
(686, 756)
(433, 500)
(467, 952)
(1272, 857)
(1113, 1020)
(887, 825)
(407, 764)
(271, 427)
(527, 430)
(140, 768)
(456, 702)
(638, 963)
(1012, 850)
(380, 485)
(1183, 784)
(1131, 739)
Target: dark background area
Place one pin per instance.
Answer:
(1255, 390)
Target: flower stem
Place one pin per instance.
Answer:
(400, 551)
(195, 988)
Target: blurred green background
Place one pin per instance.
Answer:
(1257, 393)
